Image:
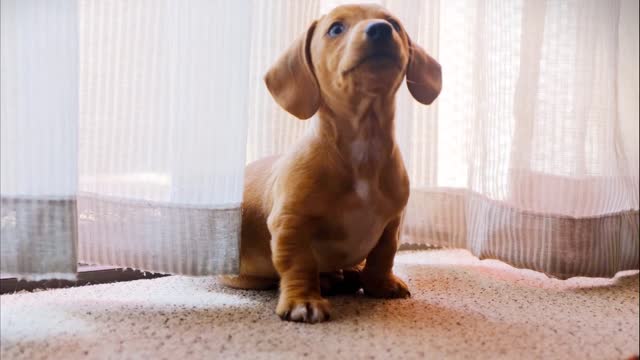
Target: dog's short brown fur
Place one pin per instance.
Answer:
(334, 202)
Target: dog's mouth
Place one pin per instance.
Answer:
(377, 58)
(380, 57)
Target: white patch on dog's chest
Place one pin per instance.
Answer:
(362, 189)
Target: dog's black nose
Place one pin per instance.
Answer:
(378, 31)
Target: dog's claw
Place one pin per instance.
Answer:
(284, 316)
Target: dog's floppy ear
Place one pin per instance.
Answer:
(424, 75)
(291, 81)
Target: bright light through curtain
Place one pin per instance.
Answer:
(126, 126)
(123, 134)
(530, 154)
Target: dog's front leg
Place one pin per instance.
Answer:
(377, 276)
(300, 298)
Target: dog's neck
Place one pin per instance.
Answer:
(362, 132)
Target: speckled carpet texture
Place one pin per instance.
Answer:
(461, 308)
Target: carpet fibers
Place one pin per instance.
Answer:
(460, 308)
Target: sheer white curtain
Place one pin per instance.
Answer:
(163, 109)
(536, 155)
(126, 126)
(133, 115)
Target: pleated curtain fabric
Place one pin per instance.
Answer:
(126, 127)
(163, 109)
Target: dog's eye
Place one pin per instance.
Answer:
(336, 29)
(394, 24)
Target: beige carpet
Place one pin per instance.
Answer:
(461, 308)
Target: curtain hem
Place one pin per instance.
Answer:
(157, 237)
(559, 246)
(39, 237)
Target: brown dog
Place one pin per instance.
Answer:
(336, 198)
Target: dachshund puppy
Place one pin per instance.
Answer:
(334, 202)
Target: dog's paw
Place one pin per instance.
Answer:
(390, 287)
(308, 310)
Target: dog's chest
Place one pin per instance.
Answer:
(360, 224)
(363, 224)
(363, 212)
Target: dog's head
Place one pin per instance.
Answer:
(355, 51)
